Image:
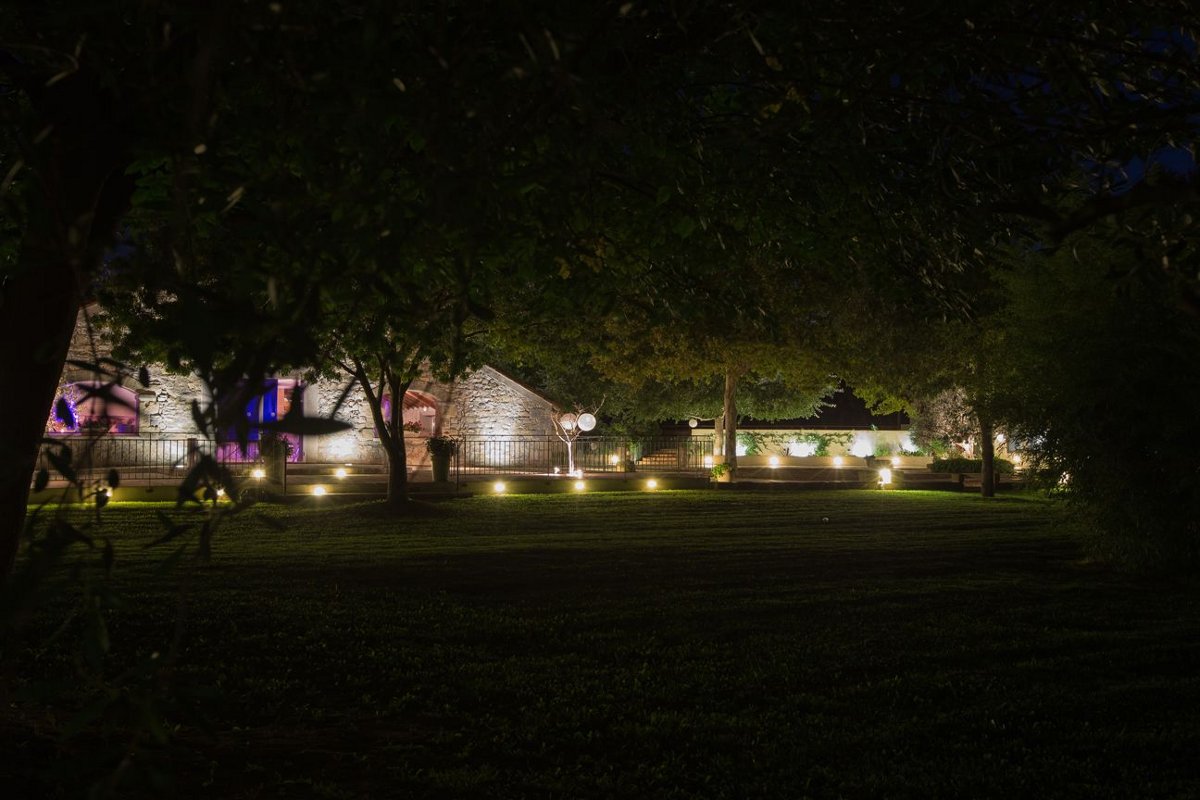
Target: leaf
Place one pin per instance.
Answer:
(87, 715)
(198, 417)
(684, 227)
(61, 461)
(113, 478)
(143, 377)
(62, 410)
(170, 561)
(173, 531)
(41, 480)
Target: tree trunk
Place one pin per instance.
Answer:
(390, 431)
(38, 309)
(730, 413)
(987, 453)
(74, 191)
(397, 453)
(397, 485)
(719, 439)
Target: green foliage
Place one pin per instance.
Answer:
(1106, 392)
(969, 465)
(441, 446)
(274, 447)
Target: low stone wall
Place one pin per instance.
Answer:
(846, 443)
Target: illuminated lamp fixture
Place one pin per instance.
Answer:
(895, 461)
(773, 461)
(614, 460)
(220, 492)
(885, 477)
(586, 422)
(693, 422)
(568, 421)
(318, 491)
(580, 486)
(340, 472)
(498, 487)
(708, 461)
(652, 484)
(258, 473)
(838, 461)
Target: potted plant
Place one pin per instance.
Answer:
(274, 449)
(441, 450)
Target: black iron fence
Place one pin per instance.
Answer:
(165, 459)
(145, 460)
(550, 455)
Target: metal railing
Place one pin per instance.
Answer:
(144, 460)
(548, 455)
(163, 460)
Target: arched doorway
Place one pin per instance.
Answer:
(94, 407)
(420, 412)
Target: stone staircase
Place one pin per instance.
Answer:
(667, 458)
(339, 479)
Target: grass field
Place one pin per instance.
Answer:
(678, 644)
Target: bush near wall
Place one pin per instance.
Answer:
(1003, 467)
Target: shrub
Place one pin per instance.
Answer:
(274, 446)
(441, 446)
(1003, 467)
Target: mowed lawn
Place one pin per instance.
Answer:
(676, 644)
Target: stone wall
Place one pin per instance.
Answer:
(164, 407)
(485, 403)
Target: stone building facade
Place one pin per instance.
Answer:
(482, 404)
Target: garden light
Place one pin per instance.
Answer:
(257, 473)
(895, 461)
(708, 461)
(614, 460)
(498, 487)
(318, 491)
(341, 472)
(774, 461)
(885, 477)
(220, 492)
(580, 486)
(652, 484)
(838, 461)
